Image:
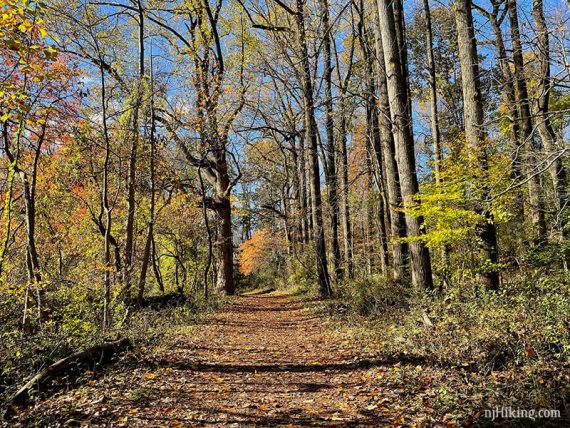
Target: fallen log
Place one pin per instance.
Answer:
(95, 355)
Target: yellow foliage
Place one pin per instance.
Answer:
(452, 209)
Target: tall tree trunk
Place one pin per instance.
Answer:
(29, 182)
(435, 131)
(311, 138)
(343, 173)
(474, 132)
(557, 169)
(396, 217)
(331, 177)
(344, 186)
(510, 97)
(303, 191)
(435, 134)
(8, 209)
(526, 135)
(400, 27)
(420, 262)
(32, 258)
(149, 248)
(373, 138)
(374, 174)
(106, 206)
(309, 192)
(29, 195)
(286, 216)
(131, 177)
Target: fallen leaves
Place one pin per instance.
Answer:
(149, 376)
(267, 361)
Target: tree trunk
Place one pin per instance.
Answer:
(225, 275)
(396, 218)
(148, 248)
(32, 258)
(331, 177)
(420, 262)
(106, 208)
(156, 266)
(304, 224)
(435, 134)
(510, 100)
(131, 177)
(557, 169)
(400, 26)
(345, 204)
(144, 265)
(526, 135)
(311, 138)
(474, 132)
(373, 138)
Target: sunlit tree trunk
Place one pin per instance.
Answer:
(557, 170)
(106, 206)
(420, 262)
(311, 138)
(396, 217)
(133, 155)
(373, 138)
(435, 134)
(304, 223)
(344, 186)
(474, 131)
(526, 135)
(331, 177)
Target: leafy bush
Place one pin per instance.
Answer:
(372, 296)
(301, 275)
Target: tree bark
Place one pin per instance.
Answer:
(373, 139)
(225, 277)
(311, 138)
(345, 203)
(106, 208)
(420, 262)
(331, 177)
(148, 249)
(133, 155)
(474, 132)
(548, 136)
(435, 134)
(396, 218)
(526, 135)
(302, 164)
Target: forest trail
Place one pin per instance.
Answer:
(263, 361)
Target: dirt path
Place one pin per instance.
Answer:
(265, 361)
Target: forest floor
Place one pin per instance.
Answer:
(265, 360)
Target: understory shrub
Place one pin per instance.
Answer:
(21, 356)
(523, 330)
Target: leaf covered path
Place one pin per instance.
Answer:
(264, 361)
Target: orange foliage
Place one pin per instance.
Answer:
(254, 251)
